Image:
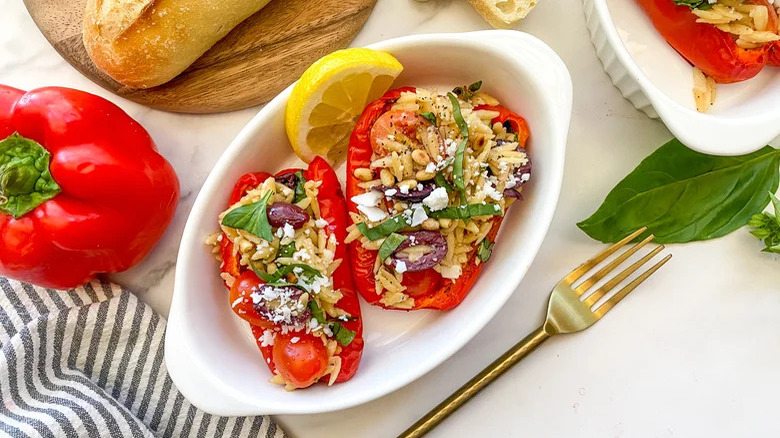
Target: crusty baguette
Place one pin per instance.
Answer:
(145, 43)
(503, 14)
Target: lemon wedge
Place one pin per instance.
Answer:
(328, 99)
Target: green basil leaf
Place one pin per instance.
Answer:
(441, 181)
(775, 204)
(25, 179)
(252, 218)
(694, 4)
(286, 250)
(391, 243)
(456, 114)
(457, 166)
(466, 92)
(300, 191)
(466, 211)
(431, 118)
(317, 312)
(343, 335)
(684, 196)
(384, 229)
(485, 250)
(308, 273)
(266, 277)
(767, 227)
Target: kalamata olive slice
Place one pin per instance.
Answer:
(288, 179)
(281, 213)
(512, 193)
(416, 194)
(281, 304)
(434, 239)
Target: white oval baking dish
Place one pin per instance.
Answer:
(210, 353)
(658, 81)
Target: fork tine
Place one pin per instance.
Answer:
(610, 303)
(590, 264)
(593, 279)
(608, 286)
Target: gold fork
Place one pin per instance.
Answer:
(567, 312)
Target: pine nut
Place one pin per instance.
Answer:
(411, 183)
(387, 178)
(421, 157)
(430, 224)
(423, 175)
(363, 174)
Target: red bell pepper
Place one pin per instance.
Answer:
(428, 288)
(517, 124)
(713, 51)
(83, 189)
(298, 357)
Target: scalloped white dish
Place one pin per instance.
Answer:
(210, 353)
(658, 81)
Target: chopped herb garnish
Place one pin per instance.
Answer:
(286, 250)
(317, 312)
(485, 250)
(343, 335)
(300, 192)
(384, 229)
(431, 118)
(441, 181)
(260, 273)
(694, 4)
(467, 211)
(252, 218)
(273, 279)
(457, 166)
(391, 243)
(467, 92)
(456, 114)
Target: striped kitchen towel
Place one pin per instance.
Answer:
(89, 363)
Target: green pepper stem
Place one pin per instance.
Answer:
(25, 179)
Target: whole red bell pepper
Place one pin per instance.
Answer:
(83, 189)
(713, 51)
(333, 210)
(427, 287)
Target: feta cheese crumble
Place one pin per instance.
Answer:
(437, 200)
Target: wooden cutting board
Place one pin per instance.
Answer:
(253, 63)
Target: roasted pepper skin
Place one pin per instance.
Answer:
(333, 209)
(436, 292)
(713, 51)
(118, 194)
(517, 123)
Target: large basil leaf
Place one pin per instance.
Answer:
(683, 196)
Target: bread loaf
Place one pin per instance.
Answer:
(503, 14)
(145, 43)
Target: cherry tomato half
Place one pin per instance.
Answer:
(301, 362)
(241, 299)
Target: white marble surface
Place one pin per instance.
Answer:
(695, 352)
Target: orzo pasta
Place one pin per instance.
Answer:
(430, 176)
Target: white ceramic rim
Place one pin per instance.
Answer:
(224, 401)
(703, 132)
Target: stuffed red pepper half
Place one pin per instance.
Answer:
(726, 40)
(429, 178)
(286, 266)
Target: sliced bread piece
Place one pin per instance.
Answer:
(503, 14)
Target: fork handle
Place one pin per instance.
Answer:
(476, 384)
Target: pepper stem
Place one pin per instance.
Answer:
(25, 179)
